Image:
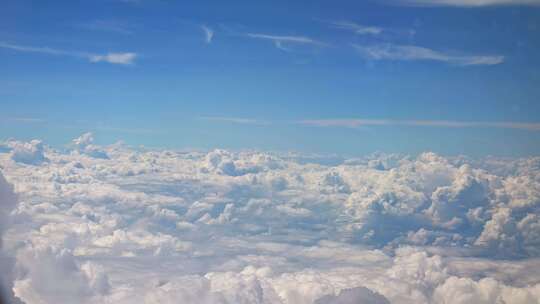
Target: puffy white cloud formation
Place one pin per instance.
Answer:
(84, 145)
(159, 226)
(27, 152)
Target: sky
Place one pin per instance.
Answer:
(348, 77)
(270, 152)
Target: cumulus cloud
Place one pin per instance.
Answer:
(163, 226)
(31, 153)
(53, 275)
(416, 53)
(84, 145)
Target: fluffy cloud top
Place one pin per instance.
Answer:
(116, 225)
(27, 152)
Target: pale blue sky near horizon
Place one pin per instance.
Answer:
(341, 77)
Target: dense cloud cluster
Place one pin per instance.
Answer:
(116, 225)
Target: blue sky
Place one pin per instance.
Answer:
(347, 77)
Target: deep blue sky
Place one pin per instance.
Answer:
(269, 67)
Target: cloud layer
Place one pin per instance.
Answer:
(116, 225)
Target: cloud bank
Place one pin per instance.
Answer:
(162, 226)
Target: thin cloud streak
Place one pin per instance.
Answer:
(113, 58)
(111, 26)
(235, 120)
(416, 53)
(208, 34)
(357, 28)
(22, 119)
(356, 123)
(467, 3)
(279, 41)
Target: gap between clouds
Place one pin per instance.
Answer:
(126, 58)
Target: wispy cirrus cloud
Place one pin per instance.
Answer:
(236, 120)
(466, 3)
(280, 41)
(112, 26)
(208, 33)
(113, 58)
(417, 53)
(356, 123)
(21, 119)
(357, 28)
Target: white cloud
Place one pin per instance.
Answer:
(487, 290)
(208, 33)
(54, 276)
(114, 58)
(162, 226)
(355, 123)
(415, 53)
(467, 3)
(357, 28)
(84, 145)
